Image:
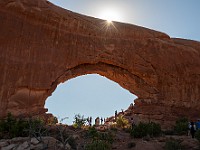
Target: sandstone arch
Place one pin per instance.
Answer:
(42, 45)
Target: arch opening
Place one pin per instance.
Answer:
(91, 95)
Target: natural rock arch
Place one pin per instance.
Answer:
(42, 45)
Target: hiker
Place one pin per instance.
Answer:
(101, 120)
(115, 114)
(188, 129)
(97, 121)
(90, 121)
(192, 129)
(198, 124)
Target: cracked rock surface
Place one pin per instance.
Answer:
(42, 45)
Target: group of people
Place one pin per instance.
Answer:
(193, 127)
(97, 121)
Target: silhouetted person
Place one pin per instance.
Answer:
(122, 111)
(192, 129)
(101, 120)
(131, 105)
(97, 121)
(198, 124)
(90, 121)
(115, 114)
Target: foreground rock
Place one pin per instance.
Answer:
(122, 141)
(43, 45)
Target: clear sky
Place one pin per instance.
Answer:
(93, 95)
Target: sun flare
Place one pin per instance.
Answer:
(110, 15)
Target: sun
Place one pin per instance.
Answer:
(110, 15)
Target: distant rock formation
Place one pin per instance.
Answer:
(42, 45)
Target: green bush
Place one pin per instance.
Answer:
(173, 144)
(102, 136)
(106, 136)
(98, 145)
(181, 126)
(143, 129)
(11, 127)
(92, 133)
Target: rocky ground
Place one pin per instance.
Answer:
(121, 141)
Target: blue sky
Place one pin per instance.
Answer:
(93, 95)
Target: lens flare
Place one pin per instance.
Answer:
(110, 15)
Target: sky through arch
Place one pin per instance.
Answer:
(90, 95)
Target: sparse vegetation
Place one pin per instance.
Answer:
(11, 127)
(79, 121)
(181, 126)
(63, 136)
(99, 140)
(94, 134)
(143, 129)
(98, 145)
(89, 138)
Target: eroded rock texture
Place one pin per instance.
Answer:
(42, 45)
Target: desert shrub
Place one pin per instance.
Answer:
(92, 133)
(79, 121)
(11, 127)
(173, 144)
(143, 129)
(102, 136)
(197, 135)
(98, 145)
(181, 126)
(36, 127)
(154, 129)
(139, 131)
(131, 145)
(122, 122)
(106, 136)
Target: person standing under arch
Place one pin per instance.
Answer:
(192, 129)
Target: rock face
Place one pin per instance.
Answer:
(42, 45)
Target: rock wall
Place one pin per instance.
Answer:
(43, 45)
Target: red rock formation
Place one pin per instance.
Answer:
(43, 45)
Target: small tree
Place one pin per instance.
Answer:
(79, 121)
